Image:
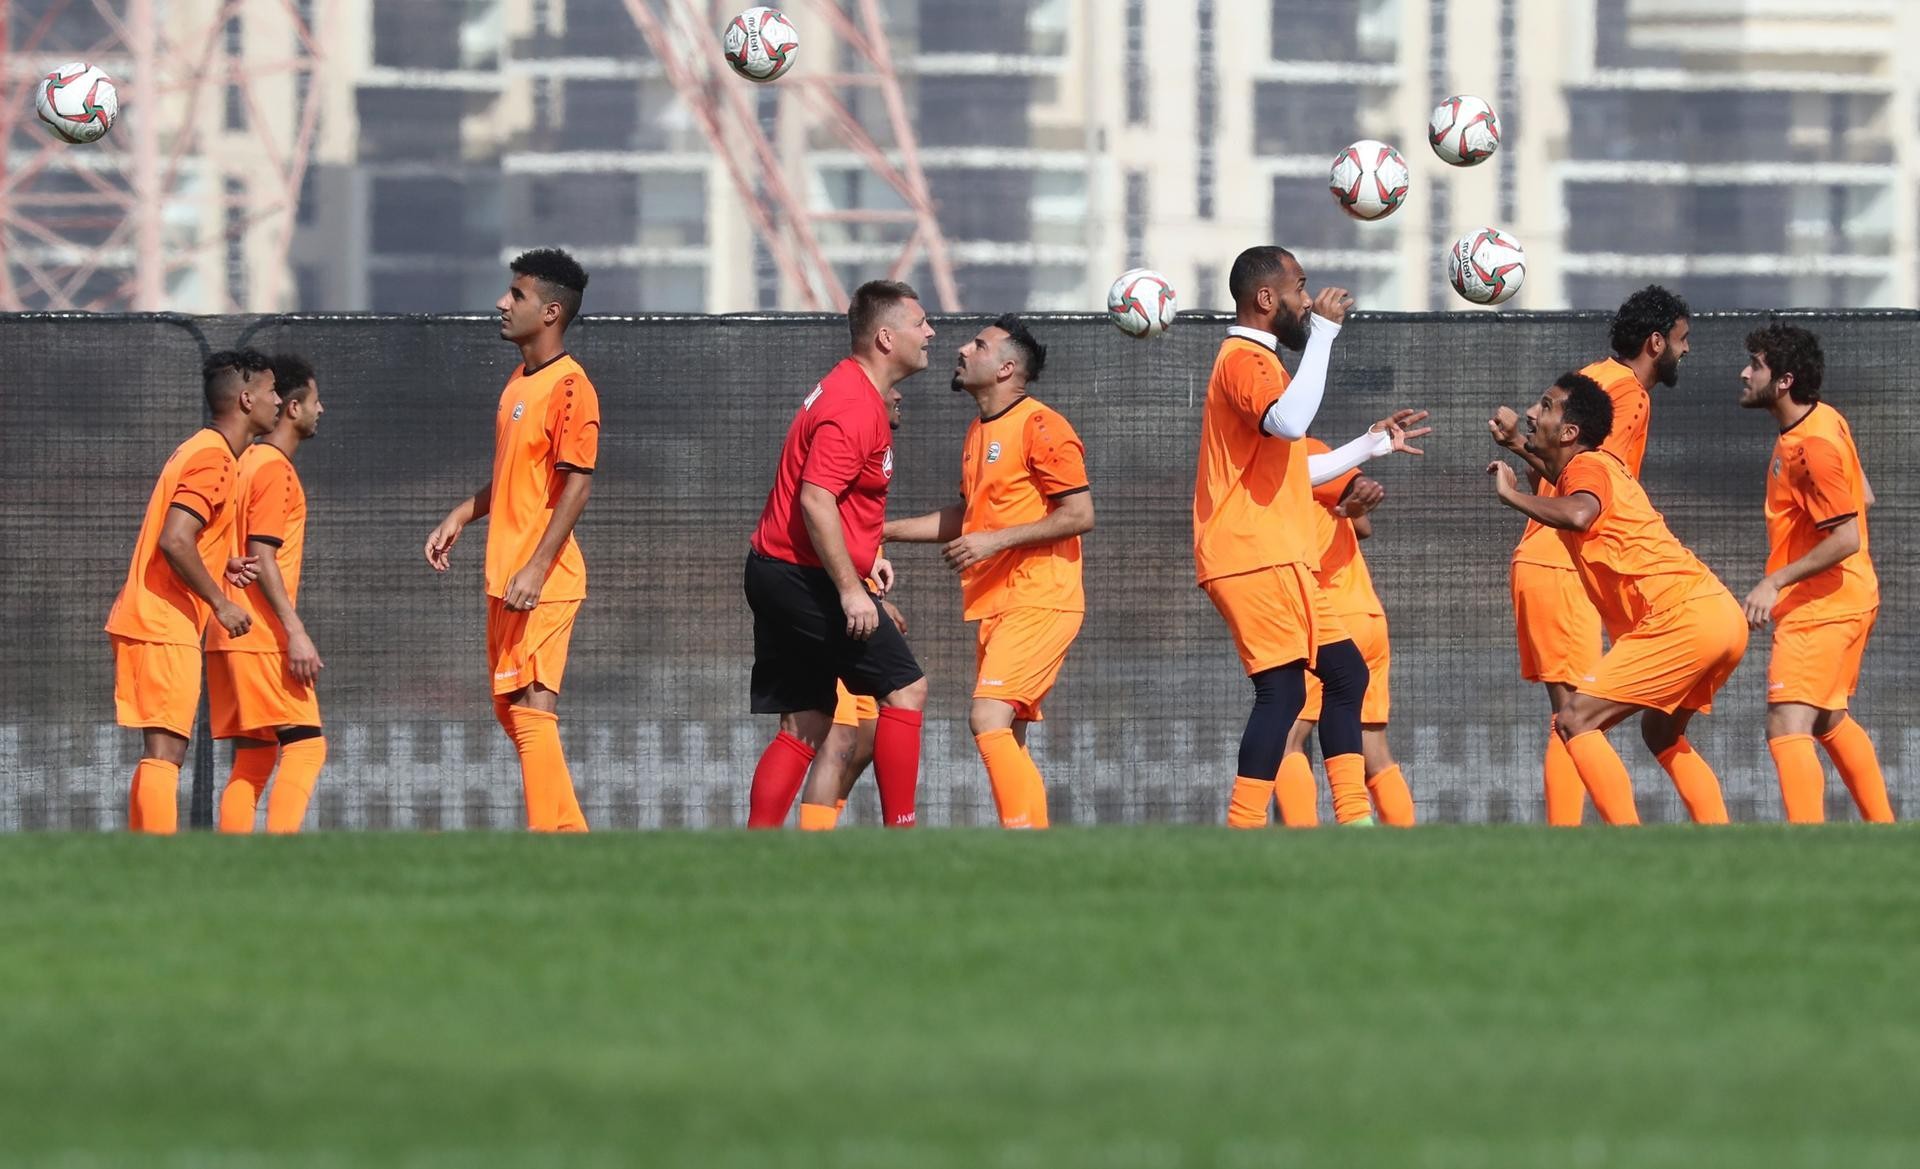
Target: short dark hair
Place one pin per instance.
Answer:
(1791, 349)
(871, 301)
(1254, 268)
(223, 374)
(292, 374)
(1587, 407)
(560, 276)
(1033, 355)
(1651, 310)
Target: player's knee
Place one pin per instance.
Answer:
(912, 696)
(989, 714)
(1659, 732)
(164, 745)
(1575, 721)
(1281, 689)
(1343, 674)
(808, 726)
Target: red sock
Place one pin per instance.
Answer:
(896, 764)
(776, 781)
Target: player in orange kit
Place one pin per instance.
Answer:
(184, 549)
(546, 442)
(1014, 538)
(1820, 592)
(1677, 632)
(1557, 629)
(260, 685)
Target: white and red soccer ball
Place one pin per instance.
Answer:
(1487, 266)
(761, 43)
(77, 102)
(1142, 303)
(1369, 179)
(1463, 131)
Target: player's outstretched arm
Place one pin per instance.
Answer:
(1384, 437)
(303, 660)
(1072, 517)
(821, 511)
(1570, 513)
(935, 527)
(1841, 541)
(177, 545)
(440, 541)
(523, 587)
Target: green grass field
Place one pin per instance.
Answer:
(1116, 998)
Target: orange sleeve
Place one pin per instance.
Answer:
(1253, 384)
(1628, 439)
(205, 483)
(573, 425)
(1823, 483)
(1588, 475)
(1055, 455)
(269, 500)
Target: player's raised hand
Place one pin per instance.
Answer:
(1333, 303)
(1361, 498)
(899, 619)
(862, 617)
(1505, 482)
(1403, 425)
(303, 660)
(523, 587)
(232, 618)
(1505, 428)
(440, 543)
(970, 549)
(882, 576)
(242, 571)
(1760, 602)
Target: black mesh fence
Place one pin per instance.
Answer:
(1148, 712)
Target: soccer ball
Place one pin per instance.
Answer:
(1369, 179)
(761, 43)
(1463, 131)
(1141, 303)
(77, 102)
(1487, 266)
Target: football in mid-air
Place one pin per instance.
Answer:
(1463, 131)
(761, 43)
(1369, 179)
(1487, 266)
(77, 102)
(1142, 303)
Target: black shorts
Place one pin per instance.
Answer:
(800, 642)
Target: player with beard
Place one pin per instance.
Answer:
(1558, 631)
(1254, 547)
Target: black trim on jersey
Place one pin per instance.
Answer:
(276, 541)
(573, 468)
(1836, 521)
(1801, 419)
(1003, 413)
(196, 515)
(525, 372)
(1071, 491)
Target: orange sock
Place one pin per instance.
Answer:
(154, 804)
(1852, 752)
(1037, 801)
(1248, 807)
(1294, 791)
(551, 806)
(252, 767)
(1566, 799)
(300, 763)
(1016, 781)
(818, 817)
(1347, 776)
(1391, 797)
(1604, 777)
(1699, 787)
(1803, 782)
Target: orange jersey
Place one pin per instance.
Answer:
(1814, 482)
(1629, 561)
(1252, 507)
(269, 505)
(1013, 468)
(155, 604)
(1627, 441)
(1343, 570)
(548, 426)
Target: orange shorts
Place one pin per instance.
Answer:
(251, 696)
(1019, 653)
(1369, 632)
(853, 709)
(1276, 615)
(155, 685)
(1818, 662)
(1556, 625)
(525, 646)
(1676, 659)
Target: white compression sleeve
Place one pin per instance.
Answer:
(1335, 463)
(1293, 413)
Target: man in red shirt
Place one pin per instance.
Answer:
(814, 619)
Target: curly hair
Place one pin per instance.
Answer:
(560, 276)
(1651, 310)
(1789, 349)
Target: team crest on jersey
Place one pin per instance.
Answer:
(519, 408)
(886, 463)
(1776, 466)
(993, 452)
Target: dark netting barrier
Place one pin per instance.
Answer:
(1148, 713)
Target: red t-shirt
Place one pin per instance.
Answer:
(841, 440)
